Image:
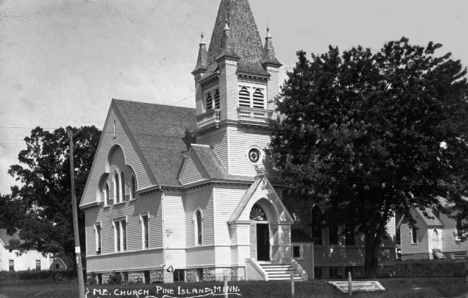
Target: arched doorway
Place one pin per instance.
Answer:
(259, 234)
(435, 239)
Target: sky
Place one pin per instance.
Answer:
(62, 61)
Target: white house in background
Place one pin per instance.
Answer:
(10, 261)
(435, 232)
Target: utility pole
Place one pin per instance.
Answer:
(75, 217)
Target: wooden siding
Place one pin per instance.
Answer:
(226, 200)
(193, 170)
(149, 203)
(174, 221)
(129, 261)
(200, 256)
(218, 139)
(101, 161)
(240, 141)
(203, 199)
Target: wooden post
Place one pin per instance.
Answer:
(292, 285)
(350, 284)
(226, 293)
(75, 218)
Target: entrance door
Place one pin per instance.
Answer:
(435, 240)
(263, 242)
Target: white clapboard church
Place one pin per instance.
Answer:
(180, 194)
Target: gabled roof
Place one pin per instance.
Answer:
(5, 238)
(158, 131)
(244, 37)
(433, 221)
(212, 164)
(245, 199)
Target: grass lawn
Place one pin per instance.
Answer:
(398, 287)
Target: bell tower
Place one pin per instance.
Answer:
(236, 81)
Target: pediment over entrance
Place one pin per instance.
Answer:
(262, 194)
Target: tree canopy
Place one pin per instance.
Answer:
(374, 134)
(45, 196)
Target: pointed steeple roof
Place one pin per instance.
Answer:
(202, 60)
(269, 56)
(244, 37)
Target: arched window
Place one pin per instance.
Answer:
(116, 187)
(122, 183)
(316, 222)
(209, 101)
(258, 99)
(133, 187)
(244, 97)
(106, 194)
(198, 228)
(216, 99)
(257, 213)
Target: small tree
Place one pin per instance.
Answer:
(374, 134)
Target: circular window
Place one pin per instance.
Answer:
(254, 155)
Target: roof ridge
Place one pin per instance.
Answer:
(150, 103)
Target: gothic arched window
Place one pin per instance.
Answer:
(198, 219)
(122, 183)
(133, 187)
(116, 187)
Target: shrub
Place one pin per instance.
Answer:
(115, 278)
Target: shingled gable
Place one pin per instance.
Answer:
(244, 38)
(158, 131)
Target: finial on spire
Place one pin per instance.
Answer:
(268, 31)
(201, 38)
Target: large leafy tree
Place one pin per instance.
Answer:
(45, 195)
(374, 134)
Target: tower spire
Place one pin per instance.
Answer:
(269, 56)
(202, 60)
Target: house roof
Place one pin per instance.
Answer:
(5, 238)
(244, 39)
(433, 221)
(213, 165)
(158, 131)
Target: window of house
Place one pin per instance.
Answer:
(122, 183)
(114, 130)
(212, 99)
(297, 252)
(334, 272)
(414, 235)
(333, 235)
(133, 187)
(318, 273)
(350, 238)
(459, 229)
(198, 228)
(117, 188)
(179, 275)
(38, 264)
(57, 266)
(98, 238)
(11, 265)
(120, 235)
(252, 96)
(106, 195)
(316, 222)
(144, 232)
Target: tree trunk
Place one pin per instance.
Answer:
(371, 262)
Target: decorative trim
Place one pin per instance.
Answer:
(253, 76)
(90, 205)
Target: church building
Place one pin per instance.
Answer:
(181, 194)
